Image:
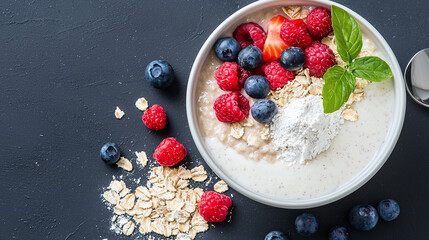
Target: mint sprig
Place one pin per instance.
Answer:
(340, 82)
(338, 85)
(347, 34)
(371, 68)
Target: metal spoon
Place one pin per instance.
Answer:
(416, 77)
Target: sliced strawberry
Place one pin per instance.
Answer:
(274, 45)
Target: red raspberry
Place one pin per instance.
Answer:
(318, 58)
(258, 71)
(250, 34)
(319, 23)
(154, 118)
(294, 33)
(231, 107)
(277, 76)
(242, 76)
(169, 152)
(231, 77)
(214, 206)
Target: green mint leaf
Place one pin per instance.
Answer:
(371, 68)
(339, 84)
(348, 34)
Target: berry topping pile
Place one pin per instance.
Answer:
(264, 110)
(319, 23)
(277, 75)
(250, 34)
(294, 33)
(318, 58)
(227, 76)
(257, 86)
(227, 49)
(250, 58)
(214, 206)
(292, 59)
(255, 59)
(274, 45)
(231, 107)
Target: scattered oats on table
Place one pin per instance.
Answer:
(128, 228)
(119, 113)
(142, 158)
(125, 164)
(167, 206)
(221, 186)
(199, 174)
(142, 104)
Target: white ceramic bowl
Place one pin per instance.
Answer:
(374, 164)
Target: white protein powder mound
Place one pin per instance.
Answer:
(301, 130)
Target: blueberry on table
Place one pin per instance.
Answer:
(338, 233)
(264, 110)
(388, 209)
(292, 58)
(110, 153)
(363, 217)
(257, 86)
(306, 224)
(276, 235)
(159, 74)
(250, 58)
(227, 49)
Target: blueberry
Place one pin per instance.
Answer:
(227, 49)
(292, 58)
(338, 233)
(363, 217)
(159, 74)
(110, 153)
(257, 86)
(388, 209)
(264, 110)
(306, 224)
(250, 58)
(276, 235)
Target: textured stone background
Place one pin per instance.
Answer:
(64, 67)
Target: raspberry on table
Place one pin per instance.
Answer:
(231, 107)
(155, 117)
(294, 33)
(277, 75)
(318, 58)
(214, 206)
(319, 23)
(169, 152)
(231, 77)
(250, 34)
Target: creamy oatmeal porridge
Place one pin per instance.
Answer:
(246, 151)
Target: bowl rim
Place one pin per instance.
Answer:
(382, 154)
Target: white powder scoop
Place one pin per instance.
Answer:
(301, 130)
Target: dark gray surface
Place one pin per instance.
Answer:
(65, 66)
